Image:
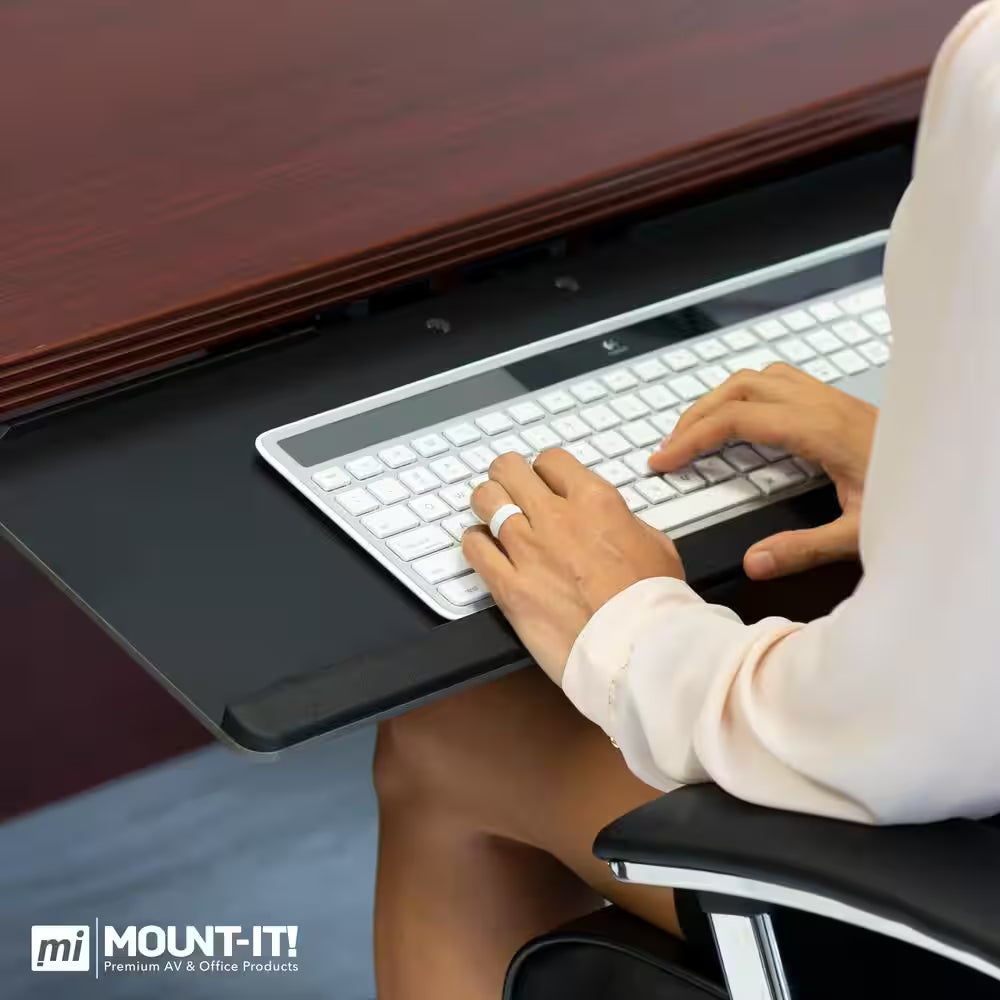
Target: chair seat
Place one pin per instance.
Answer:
(610, 955)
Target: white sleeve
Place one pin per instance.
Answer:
(886, 710)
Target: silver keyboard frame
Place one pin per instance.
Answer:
(300, 477)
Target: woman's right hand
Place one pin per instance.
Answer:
(783, 407)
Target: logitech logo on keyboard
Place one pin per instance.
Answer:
(613, 347)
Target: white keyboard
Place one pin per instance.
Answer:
(406, 498)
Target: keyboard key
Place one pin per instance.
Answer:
(629, 407)
(665, 422)
(571, 428)
(655, 490)
(391, 521)
(688, 387)
(878, 321)
(542, 437)
(769, 452)
(512, 443)
(611, 444)
(588, 391)
(494, 423)
(457, 526)
(419, 542)
(824, 341)
(849, 361)
(681, 359)
(798, 320)
(632, 499)
(851, 332)
(365, 467)
(863, 301)
(430, 445)
(526, 412)
(620, 380)
(795, 350)
(480, 458)
(875, 351)
(740, 340)
(465, 590)
(450, 469)
(478, 480)
(649, 370)
(756, 361)
(442, 566)
(389, 490)
(457, 496)
(600, 418)
(825, 312)
(462, 434)
(714, 468)
(698, 505)
(713, 376)
(684, 480)
(822, 369)
(615, 472)
(584, 452)
(638, 461)
(659, 397)
(557, 402)
(357, 501)
(333, 478)
(397, 456)
(419, 480)
(711, 349)
(429, 507)
(742, 457)
(641, 433)
(771, 329)
(811, 469)
(777, 477)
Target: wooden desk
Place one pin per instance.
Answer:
(176, 175)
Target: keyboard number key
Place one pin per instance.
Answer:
(682, 359)
(588, 391)
(620, 380)
(649, 370)
(557, 402)
(430, 445)
(494, 423)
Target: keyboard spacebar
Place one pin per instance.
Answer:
(674, 513)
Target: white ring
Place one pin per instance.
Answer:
(498, 520)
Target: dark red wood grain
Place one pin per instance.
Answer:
(174, 174)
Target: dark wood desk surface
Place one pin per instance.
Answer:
(181, 173)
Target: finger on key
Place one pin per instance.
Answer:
(487, 499)
(561, 472)
(764, 423)
(522, 483)
(750, 386)
(486, 557)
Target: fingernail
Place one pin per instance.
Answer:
(760, 563)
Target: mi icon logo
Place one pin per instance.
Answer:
(60, 948)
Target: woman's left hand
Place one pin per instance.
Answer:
(575, 546)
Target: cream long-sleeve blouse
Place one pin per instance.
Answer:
(888, 709)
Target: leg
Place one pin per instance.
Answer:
(490, 801)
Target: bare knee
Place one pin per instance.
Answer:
(411, 758)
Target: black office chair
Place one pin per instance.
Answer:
(801, 909)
